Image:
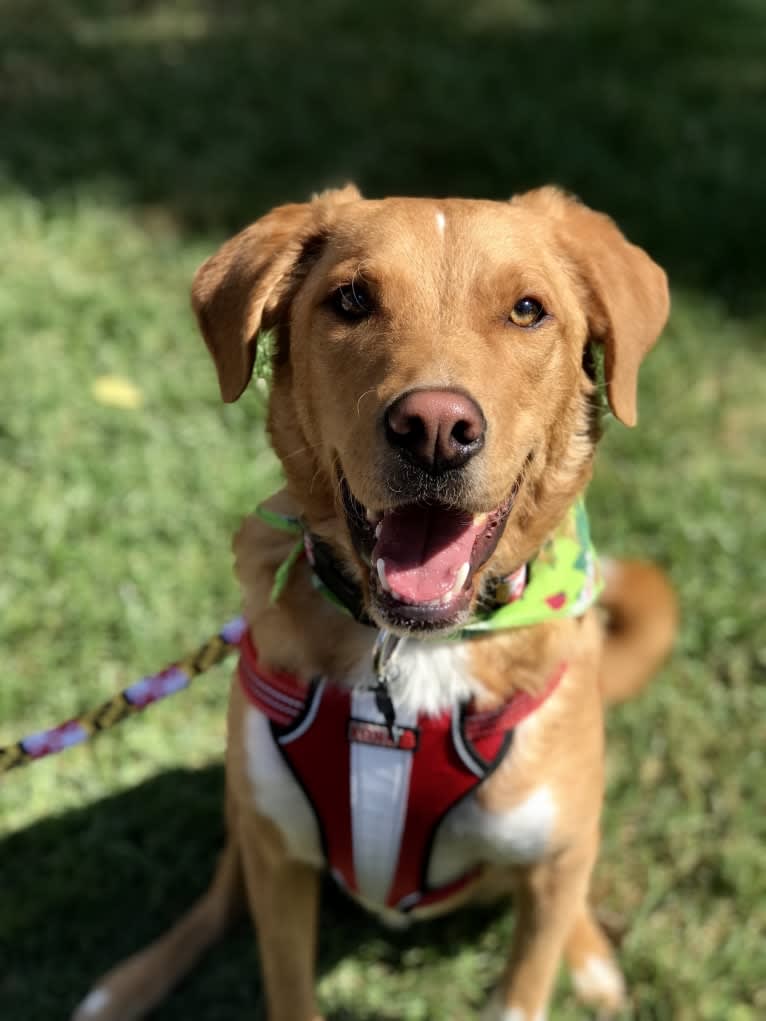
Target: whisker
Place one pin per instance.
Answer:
(301, 450)
(361, 398)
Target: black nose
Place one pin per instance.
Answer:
(438, 430)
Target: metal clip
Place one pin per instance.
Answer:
(383, 654)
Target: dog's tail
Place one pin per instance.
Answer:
(138, 984)
(641, 624)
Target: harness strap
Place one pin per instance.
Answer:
(283, 698)
(278, 694)
(479, 725)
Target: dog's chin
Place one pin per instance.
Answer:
(423, 560)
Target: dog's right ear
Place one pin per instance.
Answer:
(237, 291)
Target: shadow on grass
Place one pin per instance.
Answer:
(81, 891)
(212, 110)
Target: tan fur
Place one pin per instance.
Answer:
(443, 298)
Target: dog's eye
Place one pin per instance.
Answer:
(351, 301)
(527, 312)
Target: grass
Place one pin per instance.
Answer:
(134, 137)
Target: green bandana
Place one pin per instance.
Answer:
(563, 580)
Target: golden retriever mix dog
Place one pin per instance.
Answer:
(430, 641)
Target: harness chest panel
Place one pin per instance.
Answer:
(379, 798)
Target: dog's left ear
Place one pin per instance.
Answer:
(239, 290)
(626, 293)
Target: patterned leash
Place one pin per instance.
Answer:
(125, 703)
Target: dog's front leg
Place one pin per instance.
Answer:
(284, 899)
(549, 899)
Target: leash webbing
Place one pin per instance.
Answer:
(125, 703)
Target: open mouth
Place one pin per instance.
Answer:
(423, 558)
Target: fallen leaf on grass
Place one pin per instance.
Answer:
(117, 392)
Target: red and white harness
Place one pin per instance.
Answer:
(379, 797)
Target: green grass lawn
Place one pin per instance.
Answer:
(133, 137)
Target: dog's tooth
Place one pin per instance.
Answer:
(373, 516)
(461, 578)
(381, 568)
(479, 519)
(378, 529)
(457, 585)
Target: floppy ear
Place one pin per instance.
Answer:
(237, 291)
(626, 293)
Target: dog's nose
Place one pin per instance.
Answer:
(437, 430)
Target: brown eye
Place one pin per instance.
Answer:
(527, 312)
(351, 301)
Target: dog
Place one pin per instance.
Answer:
(419, 702)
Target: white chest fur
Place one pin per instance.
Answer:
(431, 678)
(471, 835)
(427, 677)
(277, 793)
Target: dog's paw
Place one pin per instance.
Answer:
(598, 983)
(94, 1007)
(496, 1010)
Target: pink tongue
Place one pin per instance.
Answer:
(423, 548)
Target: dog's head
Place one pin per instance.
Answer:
(433, 398)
